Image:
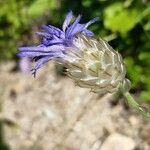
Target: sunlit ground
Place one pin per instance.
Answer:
(50, 112)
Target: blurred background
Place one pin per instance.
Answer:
(42, 113)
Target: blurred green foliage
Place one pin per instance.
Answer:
(15, 18)
(3, 143)
(126, 23)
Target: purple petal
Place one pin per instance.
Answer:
(42, 49)
(82, 28)
(67, 20)
(43, 60)
(87, 32)
(45, 34)
(72, 27)
(25, 65)
(31, 54)
(52, 30)
(47, 29)
(40, 63)
(48, 42)
(78, 28)
(91, 21)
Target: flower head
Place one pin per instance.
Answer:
(96, 65)
(55, 41)
(91, 63)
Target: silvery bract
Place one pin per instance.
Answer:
(96, 65)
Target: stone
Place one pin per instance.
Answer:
(118, 141)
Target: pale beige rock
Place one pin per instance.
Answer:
(118, 142)
(54, 114)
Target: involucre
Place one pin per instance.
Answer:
(96, 65)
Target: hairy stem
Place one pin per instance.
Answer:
(131, 101)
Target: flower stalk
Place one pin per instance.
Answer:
(134, 104)
(131, 101)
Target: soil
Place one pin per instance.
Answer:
(50, 112)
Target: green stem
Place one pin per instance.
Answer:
(135, 105)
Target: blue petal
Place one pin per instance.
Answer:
(48, 42)
(91, 21)
(40, 63)
(88, 32)
(42, 60)
(52, 30)
(45, 34)
(67, 20)
(72, 27)
(32, 54)
(78, 28)
(42, 49)
(82, 28)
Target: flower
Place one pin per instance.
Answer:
(91, 63)
(55, 41)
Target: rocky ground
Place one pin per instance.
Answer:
(51, 113)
